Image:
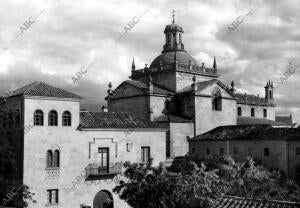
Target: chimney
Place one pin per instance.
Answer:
(232, 89)
(104, 109)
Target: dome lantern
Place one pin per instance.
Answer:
(173, 34)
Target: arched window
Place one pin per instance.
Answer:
(252, 112)
(239, 109)
(49, 158)
(38, 118)
(56, 158)
(66, 118)
(52, 118)
(217, 100)
(265, 113)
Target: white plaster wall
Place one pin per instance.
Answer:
(75, 148)
(246, 111)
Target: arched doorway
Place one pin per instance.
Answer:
(103, 199)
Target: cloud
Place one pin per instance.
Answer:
(69, 35)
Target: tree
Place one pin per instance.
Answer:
(12, 192)
(250, 180)
(150, 187)
(247, 179)
(190, 184)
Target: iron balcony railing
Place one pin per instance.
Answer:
(96, 169)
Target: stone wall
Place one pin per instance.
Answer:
(138, 106)
(278, 155)
(246, 111)
(178, 133)
(77, 150)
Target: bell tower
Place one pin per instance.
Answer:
(269, 91)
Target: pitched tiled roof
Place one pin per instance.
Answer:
(239, 202)
(251, 100)
(157, 89)
(287, 120)
(254, 120)
(172, 119)
(43, 89)
(204, 84)
(249, 132)
(113, 120)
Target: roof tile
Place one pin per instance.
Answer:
(43, 89)
(113, 120)
(239, 202)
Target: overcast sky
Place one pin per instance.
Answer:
(67, 36)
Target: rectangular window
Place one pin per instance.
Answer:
(266, 152)
(297, 150)
(145, 154)
(239, 109)
(252, 112)
(103, 159)
(235, 150)
(250, 151)
(207, 151)
(52, 196)
(221, 151)
(193, 150)
(265, 113)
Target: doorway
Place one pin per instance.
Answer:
(103, 199)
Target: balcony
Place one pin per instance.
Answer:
(95, 170)
(52, 172)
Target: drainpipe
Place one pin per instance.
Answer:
(194, 92)
(288, 159)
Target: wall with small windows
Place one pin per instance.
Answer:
(207, 117)
(271, 153)
(266, 112)
(56, 157)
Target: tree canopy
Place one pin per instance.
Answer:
(188, 183)
(12, 192)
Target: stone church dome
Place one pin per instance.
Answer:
(182, 57)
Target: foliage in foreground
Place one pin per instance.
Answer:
(12, 191)
(200, 184)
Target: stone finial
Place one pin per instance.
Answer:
(173, 15)
(133, 65)
(232, 88)
(215, 63)
(109, 89)
(194, 83)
